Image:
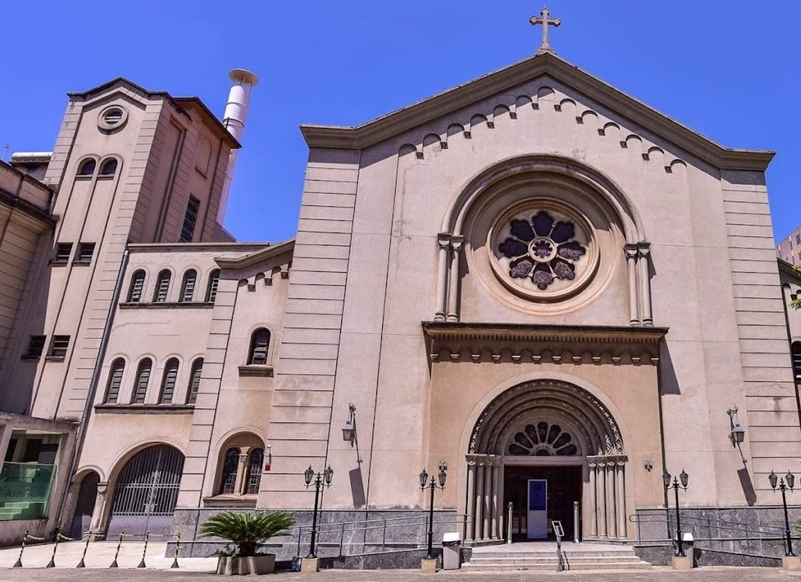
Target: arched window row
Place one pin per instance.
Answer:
(241, 466)
(141, 381)
(161, 291)
(108, 167)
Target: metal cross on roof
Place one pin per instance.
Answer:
(545, 21)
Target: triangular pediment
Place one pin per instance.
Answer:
(503, 80)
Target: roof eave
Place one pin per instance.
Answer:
(393, 124)
(256, 257)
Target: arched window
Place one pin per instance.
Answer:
(188, 286)
(194, 381)
(796, 349)
(162, 287)
(115, 380)
(253, 477)
(168, 381)
(137, 286)
(109, 167)
(87, 168)
(259, 346)
(141, 381)
(211, 290)
(229, 470)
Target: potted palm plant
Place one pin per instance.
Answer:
(246, 532)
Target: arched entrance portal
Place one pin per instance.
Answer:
(146, 492)
(553, 431)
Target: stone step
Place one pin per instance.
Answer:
(553, 566)
(543, 557)
(549, 559)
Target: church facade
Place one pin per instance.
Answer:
(532, 276)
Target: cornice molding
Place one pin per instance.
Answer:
(393, 124)
(518, 343)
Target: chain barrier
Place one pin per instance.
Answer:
(91, 536)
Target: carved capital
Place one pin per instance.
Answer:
(456, 242)
(631, 251)
(444, 240)
(644, 249)
(102, 488)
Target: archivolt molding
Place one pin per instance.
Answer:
(599, 429)
(579, 184)
(545, 101)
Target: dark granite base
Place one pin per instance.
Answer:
(363, 532)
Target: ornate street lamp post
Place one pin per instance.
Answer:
(788, 481)
(320, 480)
(443, 468)
(683, 477)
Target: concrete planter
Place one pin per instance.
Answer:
(236, 566)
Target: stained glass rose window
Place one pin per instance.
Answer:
(542, 249)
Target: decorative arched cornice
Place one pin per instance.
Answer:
(563, 167)
(600, 430)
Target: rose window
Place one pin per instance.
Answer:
(543, 440)
(542, 249)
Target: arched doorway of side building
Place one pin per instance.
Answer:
(547, 447)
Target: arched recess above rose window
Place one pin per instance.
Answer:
(545, 235)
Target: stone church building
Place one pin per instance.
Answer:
(530, 276)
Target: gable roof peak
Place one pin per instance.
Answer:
(543, 63)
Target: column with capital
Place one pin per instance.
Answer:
(479, 494)
(590, 506)
(631, 263)
(611, 506)
(241, 471)
(471, 485)
(444, 245)
(453, 289)
(620, 490)
(486, 532)
(644, 252)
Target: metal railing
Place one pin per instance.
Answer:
(711, 532)
(370, 536)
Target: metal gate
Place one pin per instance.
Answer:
(146, 492)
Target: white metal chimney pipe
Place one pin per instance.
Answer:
(236, 111)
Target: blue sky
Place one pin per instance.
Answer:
(727, 69)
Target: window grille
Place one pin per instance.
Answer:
(115, 380)
(194, 381)
(259, 346)
(137, 286)
(796, 349)
(214, 281)
(168, 383)
(36, 345)
(190, 218)
(162, 287)
(58, 349)
(188, 286)
(85, 252)
(229, 471)
(142, 380)
(253, 479)
(63, 252)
